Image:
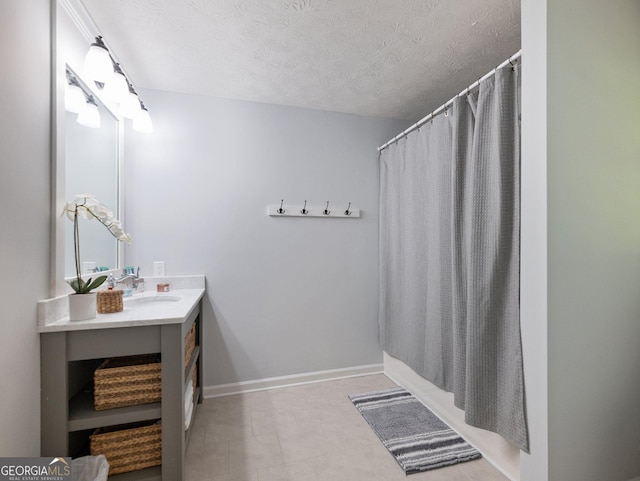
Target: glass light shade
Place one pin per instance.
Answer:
(117, 88)
(130, 107)
(74, 99)
(142, 122)
(89, 116)
(97, 64)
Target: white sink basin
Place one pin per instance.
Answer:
(150, 300)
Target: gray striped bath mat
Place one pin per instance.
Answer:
(416, 437)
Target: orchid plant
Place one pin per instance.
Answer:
(86, 205)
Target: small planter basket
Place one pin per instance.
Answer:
(129, 447)
(109, 301)
(127, 381)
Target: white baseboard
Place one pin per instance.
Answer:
(292, 380)
(502, 455)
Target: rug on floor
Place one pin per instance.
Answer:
(416, 437)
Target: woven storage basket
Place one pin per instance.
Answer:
(127, 381)
(109, 301)
(129, 447)
(189, 344)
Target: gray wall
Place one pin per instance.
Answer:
(285, 296)
(587, 343)
(24, 216)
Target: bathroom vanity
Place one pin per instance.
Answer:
(71, 350)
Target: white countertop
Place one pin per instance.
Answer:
(144, 309)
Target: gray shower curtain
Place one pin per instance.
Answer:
(450, 255)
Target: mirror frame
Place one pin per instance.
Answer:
(83, 22)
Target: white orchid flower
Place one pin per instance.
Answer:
(84, 199)
(69, 210)
(87, 206)
(101, 212)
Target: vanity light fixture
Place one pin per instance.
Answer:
(117, 88)
(98, 65)
(142, 122)
(74, 98)
(89, 116)
(130, 107)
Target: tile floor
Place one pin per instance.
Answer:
(310, 432)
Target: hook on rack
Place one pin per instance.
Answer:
(311, 210)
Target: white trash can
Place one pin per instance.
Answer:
(90, 468)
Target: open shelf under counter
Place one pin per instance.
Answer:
(196, 396)
(148, 474)
(82, 414)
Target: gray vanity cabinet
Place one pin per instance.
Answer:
(68, 359)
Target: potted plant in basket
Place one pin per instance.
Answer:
(82, 304)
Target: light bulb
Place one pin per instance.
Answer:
(97, 63)
(142, 122)
(89, 116)
(74, 99)
(117, 88)
(130, 107)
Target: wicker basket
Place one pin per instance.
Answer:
(189, 344)
(109, 301)
(129, 447)
(127, 381)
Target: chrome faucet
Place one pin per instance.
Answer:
(136, 281)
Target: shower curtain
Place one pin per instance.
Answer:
(449, 254)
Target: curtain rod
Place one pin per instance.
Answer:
(424, 120)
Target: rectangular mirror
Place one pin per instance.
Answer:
(91, 166)
(85, 160)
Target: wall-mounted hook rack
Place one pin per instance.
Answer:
(308, 210)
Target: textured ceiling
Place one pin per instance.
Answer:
(385, 58)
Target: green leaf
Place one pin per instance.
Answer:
(78, 285)
(96, 283)
(74, 285)
(81, 286)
